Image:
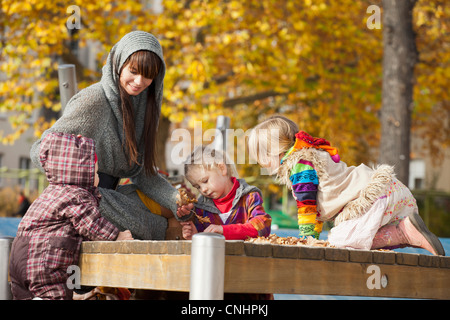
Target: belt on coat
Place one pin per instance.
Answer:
(107, 181)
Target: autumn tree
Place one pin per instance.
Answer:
(35, 40)
(415, 34)
(431, 109)
(314, 61)
(399, 59)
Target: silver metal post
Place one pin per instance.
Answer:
(67, 83)
(220, 141)
(5, 249)
(207, 267)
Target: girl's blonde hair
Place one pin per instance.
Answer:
(208, 158)
(271, 138)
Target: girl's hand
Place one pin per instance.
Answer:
(185, 210)
(124, 235)
(214, 228)
(185, 203)
(188, 230)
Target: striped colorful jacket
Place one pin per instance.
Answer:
(305, 183)
(247, 218)
(304, 189)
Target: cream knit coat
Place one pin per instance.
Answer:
(345, 192)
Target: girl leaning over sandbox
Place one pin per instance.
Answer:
(121, 113)
(370, 208)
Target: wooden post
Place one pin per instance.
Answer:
(67, 83)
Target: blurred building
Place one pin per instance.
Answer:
(423, 173)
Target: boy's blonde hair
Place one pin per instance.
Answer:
(208, 158)
(271, 138)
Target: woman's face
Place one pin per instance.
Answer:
(132, 82)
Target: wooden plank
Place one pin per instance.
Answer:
(334, 254)
(134, 247)
(360, 256)
(139, 271)
(382, 257)
(407, 259)
(268, 275)
(258, 250)
(234, 247)
(429, 261)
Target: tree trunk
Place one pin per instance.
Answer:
(399, 59)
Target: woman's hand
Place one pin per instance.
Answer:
(188, 230)
(185, 202)
(185, 210)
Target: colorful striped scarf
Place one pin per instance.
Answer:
(304, 140)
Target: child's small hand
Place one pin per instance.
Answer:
(124, 235)
(214, 228)
(185, 203)
(188, 230)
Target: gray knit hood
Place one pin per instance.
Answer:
(129, 44)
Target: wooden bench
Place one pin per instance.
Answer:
(267, 268)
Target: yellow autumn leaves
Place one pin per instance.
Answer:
(315, 61)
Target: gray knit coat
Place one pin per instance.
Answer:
(95, 112)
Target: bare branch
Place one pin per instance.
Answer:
(246, 99)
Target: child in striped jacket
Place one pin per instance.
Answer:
(227, 205)
(370, 208)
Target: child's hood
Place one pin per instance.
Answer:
(243, 189)
(68, 159)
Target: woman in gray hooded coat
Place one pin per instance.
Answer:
(121, 113)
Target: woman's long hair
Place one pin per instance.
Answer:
(147, 64)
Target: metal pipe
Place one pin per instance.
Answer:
(67, 83)
(207, 267)
(220, 141)
(5, 250)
